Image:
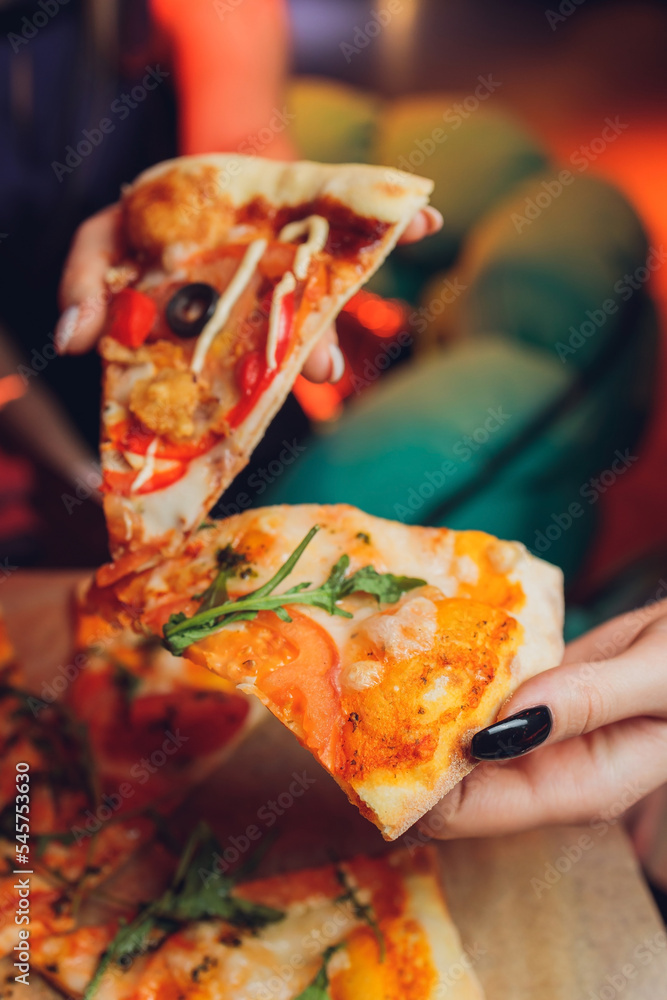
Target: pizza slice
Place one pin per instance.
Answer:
(231, 269)
(370, 927)
(53, 823)
(157, 724)
(383, 647)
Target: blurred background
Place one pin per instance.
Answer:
(506, 375)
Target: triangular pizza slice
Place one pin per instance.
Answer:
(229, 271)
(383, 647)
(364, 929)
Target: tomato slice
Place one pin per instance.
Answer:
(306, 686)
(121, 482)
(130, 435)
(131, 317)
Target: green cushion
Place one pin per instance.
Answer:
(474, 163)
(447, 440)
(554, 281)
(333, 123)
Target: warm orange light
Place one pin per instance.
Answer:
(319, 402)
(381, 317)
(11, 387)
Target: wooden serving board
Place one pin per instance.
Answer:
(557, 914)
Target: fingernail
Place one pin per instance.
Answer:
(337, 363)
(435, 219)
(513, 736)
(65, 328)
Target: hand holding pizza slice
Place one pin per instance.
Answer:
(230, 271)
(383, 647)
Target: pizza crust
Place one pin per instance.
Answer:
(198, 206)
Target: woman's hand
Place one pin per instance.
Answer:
(83, 296)
(602, 730)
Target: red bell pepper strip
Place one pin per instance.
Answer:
(130, 435)
(131, 317)
(121, 482)
(253, 376)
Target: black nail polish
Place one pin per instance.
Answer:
(513, 736)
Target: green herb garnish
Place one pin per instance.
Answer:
(217, 610)
(362, 911)
(191, 896)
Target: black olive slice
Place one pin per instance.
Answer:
(190, 308)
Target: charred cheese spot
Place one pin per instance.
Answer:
(166, 403)
(396, 724)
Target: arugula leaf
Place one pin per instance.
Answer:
(228, 561)
(126, 682)
(198, 898)
(181, 632)
(362, 911)
(190, 897)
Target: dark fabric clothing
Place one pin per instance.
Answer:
(59, 164)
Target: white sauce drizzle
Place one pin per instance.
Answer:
(148, 469)
(226, 302)
(316, 229)
(286, 285)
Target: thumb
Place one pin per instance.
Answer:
(83, 293)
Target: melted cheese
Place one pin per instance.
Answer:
(226, 302)
(148, 468)
(316, 229)
(408, 629)
(286, 285)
